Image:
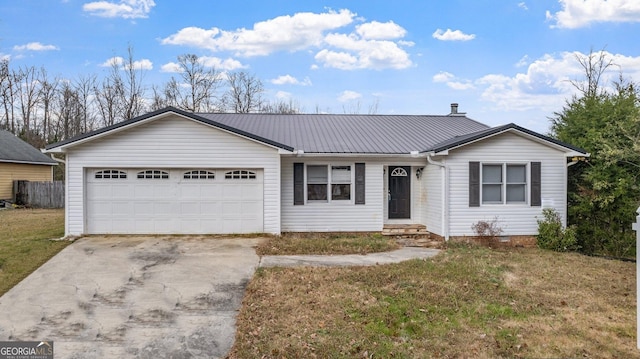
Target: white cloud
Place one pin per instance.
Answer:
(290, 80)
(452, 35)
(547, 82)
(452, 81)
(207, 61)
(172, 67)
(126, 9)
(369, 46)
(580, 13)
(283, 33)
(4, 57)
(347, 95)
(523, 6)
(380, 31)
(144, 64)
(443, 76)
(35, 46)
(357, 53)
(524, 61)
(220, 64)
(283, 95)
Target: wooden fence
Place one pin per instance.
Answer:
(39, 194)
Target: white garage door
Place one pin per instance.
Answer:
(174, 201)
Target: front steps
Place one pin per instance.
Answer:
(413, 235)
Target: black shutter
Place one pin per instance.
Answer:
(298, 183)
(360, 183)
(474, 184)
(536, 184)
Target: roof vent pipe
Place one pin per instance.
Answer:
(454, 108)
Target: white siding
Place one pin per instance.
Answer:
(514, 219)
(432, 210)
(171, 142)
(339, 216)
(334, 216)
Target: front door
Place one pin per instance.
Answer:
(399, 192)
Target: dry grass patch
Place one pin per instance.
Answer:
(326, 243)
(25, 242)
(466, 302)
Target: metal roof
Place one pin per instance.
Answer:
(326, 133)
(471, 137)
(368, 134)
(15, 150)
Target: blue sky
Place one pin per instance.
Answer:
(502, 61)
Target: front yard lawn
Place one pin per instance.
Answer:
(25, 242)
(327, 243)
(467, 302)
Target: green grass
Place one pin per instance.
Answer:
(25, 242)
(466, 302)
(326, 243)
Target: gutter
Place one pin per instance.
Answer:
(445, 193)
(57, 159)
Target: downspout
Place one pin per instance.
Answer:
(57, 159)
(445, 194)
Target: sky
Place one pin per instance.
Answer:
(501, 61)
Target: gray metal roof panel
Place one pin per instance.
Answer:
(322, 133)
(13, 149)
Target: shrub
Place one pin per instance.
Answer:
(552, 235)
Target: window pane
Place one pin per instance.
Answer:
(515, 193)
(491, 193)
(516, 174)
(317, 192)
(341, 174)
(492, 173)
(340, 191)
(317, 174)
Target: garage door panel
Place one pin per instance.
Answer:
(177, 204)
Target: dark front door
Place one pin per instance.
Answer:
(399, 192)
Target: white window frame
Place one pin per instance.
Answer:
(504, 184)
(330, 182)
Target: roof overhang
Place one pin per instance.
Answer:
(63, 146)
(569, 151)
(29, 162)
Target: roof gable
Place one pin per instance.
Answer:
(15, 150)
(153, 116)
(460, 141)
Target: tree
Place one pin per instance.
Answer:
(194, 90)
(604, 191)
(282, 107)
(244, 93)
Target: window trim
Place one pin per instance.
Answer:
(199, 175)
(240, 174)
(152, 174)
(504, 183)
(108, 174)
(330, 182)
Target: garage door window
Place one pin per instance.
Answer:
(111, 174)
(199, 175)
(153, 174)
(240, 174)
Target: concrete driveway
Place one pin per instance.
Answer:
(125, 297)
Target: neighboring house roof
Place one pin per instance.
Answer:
(476, 136)
(15, 150)
(325, 133)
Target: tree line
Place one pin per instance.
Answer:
(42, 109)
